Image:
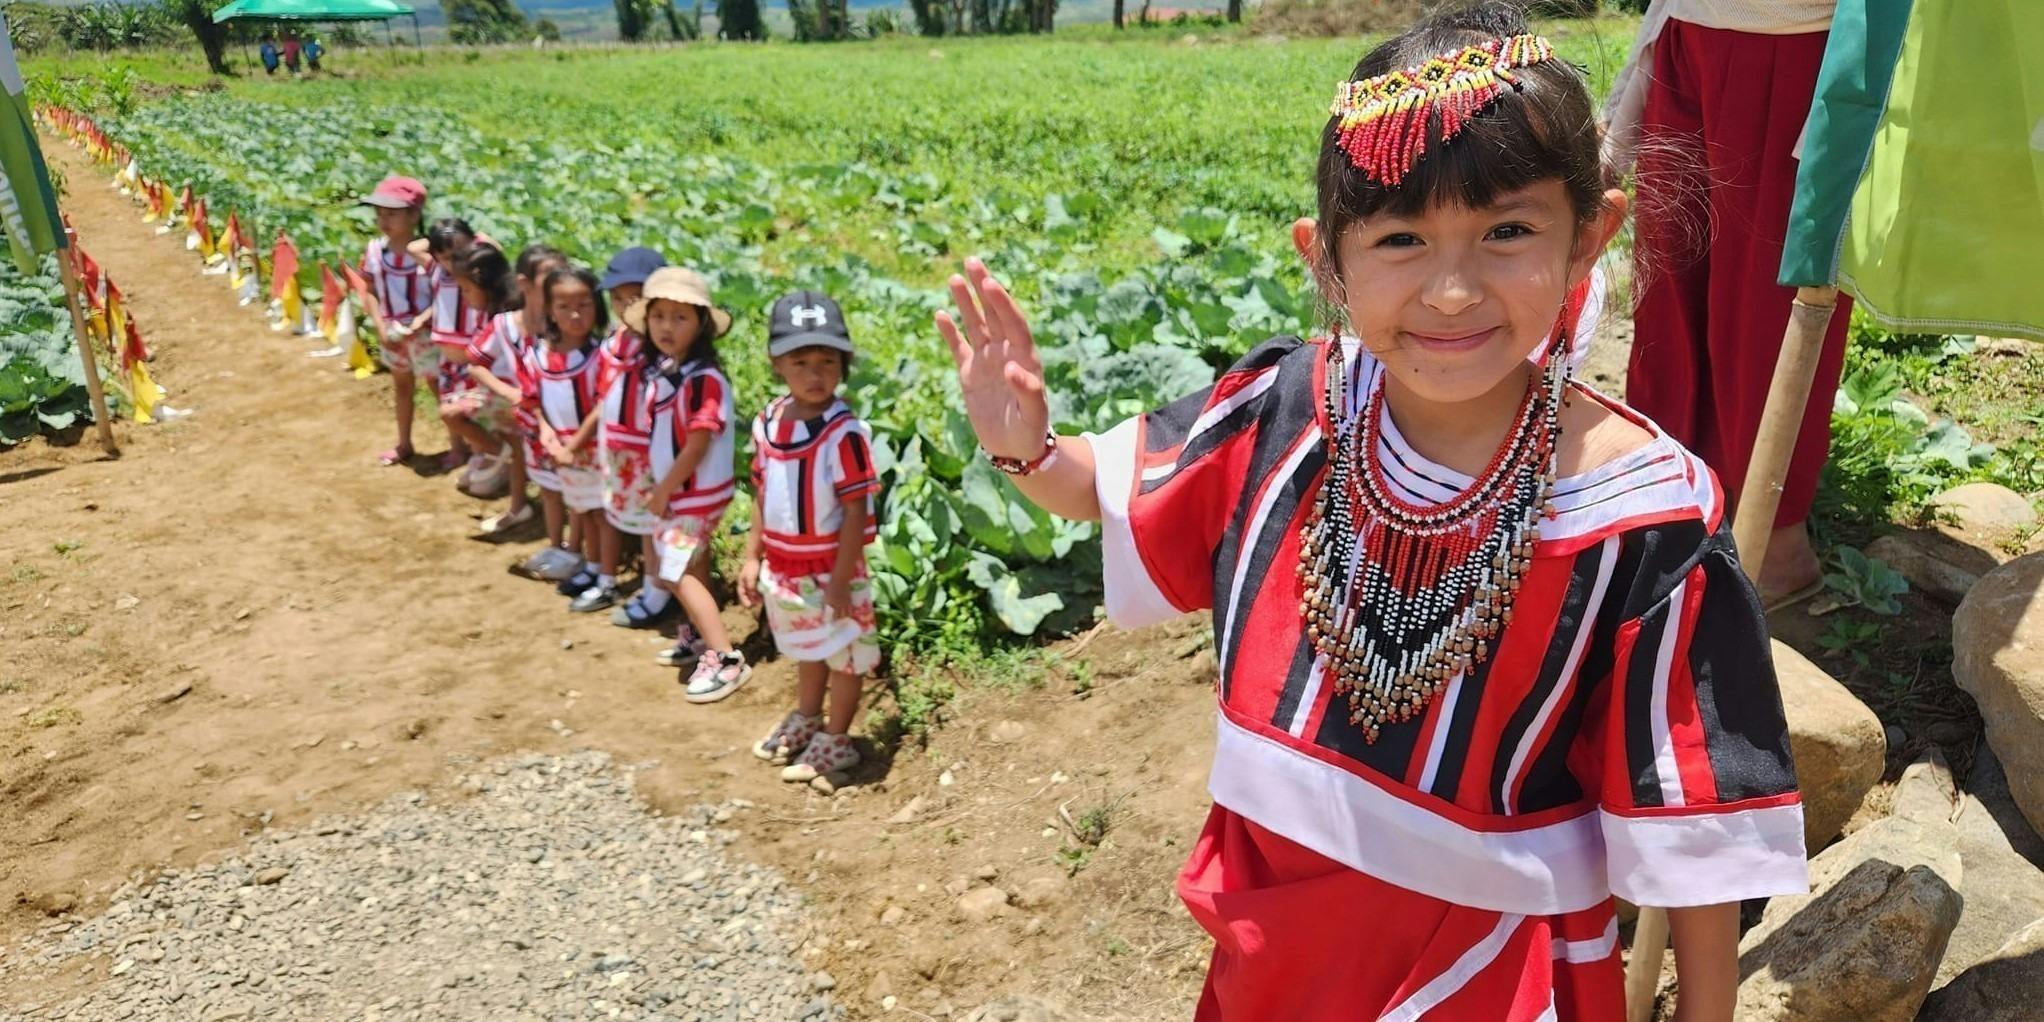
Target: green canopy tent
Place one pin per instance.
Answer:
(317, 10)
(1920, 192)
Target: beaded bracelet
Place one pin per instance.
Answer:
(1018, 467)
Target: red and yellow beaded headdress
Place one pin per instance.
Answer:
(1381, 122)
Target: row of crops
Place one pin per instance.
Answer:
(42, 386)
(1148, 256)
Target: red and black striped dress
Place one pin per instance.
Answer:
(1626, 738)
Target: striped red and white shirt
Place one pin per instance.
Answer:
(803, 473)
(1625, 737)
(455, 321)
(561, 383)
(399, 283)
(682, 399)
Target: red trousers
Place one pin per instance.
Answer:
(1716, 177)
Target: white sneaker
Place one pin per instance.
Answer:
(488, 477)
(553, 564)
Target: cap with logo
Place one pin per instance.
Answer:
(806, 319)
(397, 192)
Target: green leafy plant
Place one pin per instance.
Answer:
(1861, 581)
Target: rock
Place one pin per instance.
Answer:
(1840, 746)
(1020, 1009)
(54, 903)
(822, 981)
(127, 601)
(1984, 515)
(1935, 564)
(1865, 943)
(1007, 732)
(894, 916)
(2003, 886)
(2006, 986)
(1038, 891)
(271, 875)
(981, 904)
(909, 812)
(987, 872)
(1998, 658)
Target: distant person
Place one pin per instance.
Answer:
(291, 51)
(269, 52)
(314, 50)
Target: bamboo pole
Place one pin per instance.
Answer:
(100, 416)
(1788, 398)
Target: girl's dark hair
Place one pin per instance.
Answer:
(704, 346)
(562, 274)
(485, 267)
(449, 234)
(535, 256)
(1546, 129)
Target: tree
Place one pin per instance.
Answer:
(198, 16)
(739, 19)
(547, 30)
(1117, 13)
(929, 16)
(484, 21)
(1235, 10)
(632, 18)
(681, 26)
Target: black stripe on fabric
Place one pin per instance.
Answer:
(1455, 747)
(1297, 673)
(856, 444)
(1284, 421)
(1167, 427)
(1214, 437)
(1634, 469)
(1732, 664)
(1574, 615)
(1390, 755)
(803, 466)
(1638, 707)
(1654, 562)
(1397, 458)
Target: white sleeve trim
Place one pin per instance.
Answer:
(1706, 858)
(1133, 599)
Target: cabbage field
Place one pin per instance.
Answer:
(1135, 192)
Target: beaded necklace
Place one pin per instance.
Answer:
(1402, 598)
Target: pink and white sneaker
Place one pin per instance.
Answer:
(827, 754)
(787, 741)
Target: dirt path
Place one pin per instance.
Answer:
(246, 622)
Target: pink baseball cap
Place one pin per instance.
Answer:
(395, 192)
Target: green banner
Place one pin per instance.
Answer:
(28, 207)
(1942, 235)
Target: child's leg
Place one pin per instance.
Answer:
(592, 527)
(811, 679)
(518, 478)
(477, 438)
(404, 385)
(556, 513)
(610, 546)
(844, 700)
(694, 593)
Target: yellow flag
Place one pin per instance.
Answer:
(143, 393)
(346, 336)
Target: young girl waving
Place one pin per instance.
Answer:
(1486, 655)
(690, 460)
(563, 373)
(813, 484)
(493, 363)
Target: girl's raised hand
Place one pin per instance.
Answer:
(998, 369)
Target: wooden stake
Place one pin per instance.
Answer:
(92, 384)
(1788, 397)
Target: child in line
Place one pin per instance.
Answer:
(691, 462)
(813, 483)
(1486, 654)
(454, 323)
(398, 293)
(493, 361)
(621, 451)
(564, 371)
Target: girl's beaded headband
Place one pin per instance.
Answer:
(1381, 122)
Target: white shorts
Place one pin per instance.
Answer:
(581, 488)
(804, 629)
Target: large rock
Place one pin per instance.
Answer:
(1865, 943)
(1935, 564)
(1984, 515)
(2007, 986)
(1839, 744)
(1998, 658)
(2003, 884)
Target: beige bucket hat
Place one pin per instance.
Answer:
(676, 284)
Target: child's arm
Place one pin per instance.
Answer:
(587, 433)
(1706, 939)
(1002, 382)
(483, 375)
(693, 448)
(851, 546)
(755, 547)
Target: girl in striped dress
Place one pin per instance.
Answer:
(1486, 656)
(493, 363)
(561, 386)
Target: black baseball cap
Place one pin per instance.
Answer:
(804, 319)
